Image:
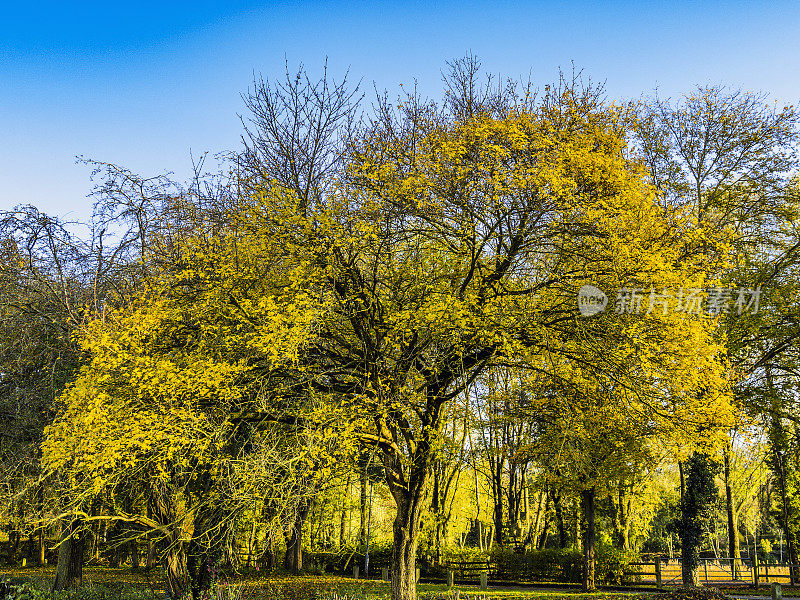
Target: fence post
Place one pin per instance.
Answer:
(417, 574)
(755, 570)
(449, 578)
(355, 571)
(483, 581)
(385, 573)
(705, 568)
(658, 572)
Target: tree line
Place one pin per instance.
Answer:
(388, 295)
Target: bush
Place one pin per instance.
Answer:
(656, 545)
(549, 564)
(613, 566)
(342, 562)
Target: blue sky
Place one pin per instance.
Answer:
(143, 84)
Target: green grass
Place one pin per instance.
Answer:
(259, 587)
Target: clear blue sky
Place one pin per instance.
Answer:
(143, 83)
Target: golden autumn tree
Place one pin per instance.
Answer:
(591, 433)
(459, 243)
(165, 403)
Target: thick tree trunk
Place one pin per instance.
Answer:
(69, 572)
(497, 490)
(690, 566)
(562, 531)
(404, 548)
(786, 525)
(177, 579)
(293, 559)
(589, 559)
(733, 533)
(170, 546)
(133, 549)
(14, 537)
(699, 495)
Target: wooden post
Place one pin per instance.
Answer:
(355, 571)
(777, 594)
(417, 574)
(755, 570)
(766, 572)
(483, 581)
(705, 568)
(385, 573)
(449, 578)
(24, 561)
(658, 572)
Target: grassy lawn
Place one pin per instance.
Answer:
(262, 587)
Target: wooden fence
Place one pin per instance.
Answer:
(658, 572)
(663, 572)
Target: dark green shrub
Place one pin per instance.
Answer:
(550, 564)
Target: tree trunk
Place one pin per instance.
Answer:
(587, 507)
(562, 532)
(404, 547)
(150, 561)
(535, 530)
(42, 546)
(343, 514)
(624, 518)
(69, 572)
(545, 524)
(170, 546)
(497, 491)
(616, 536)
(788, 530)
(733, 533)
(133, 549)
(293, 559)
(690, 565)
(699, 495)
(43, 529)
(177, 579)
(362, 533)
(437, 517)
(14, 537)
